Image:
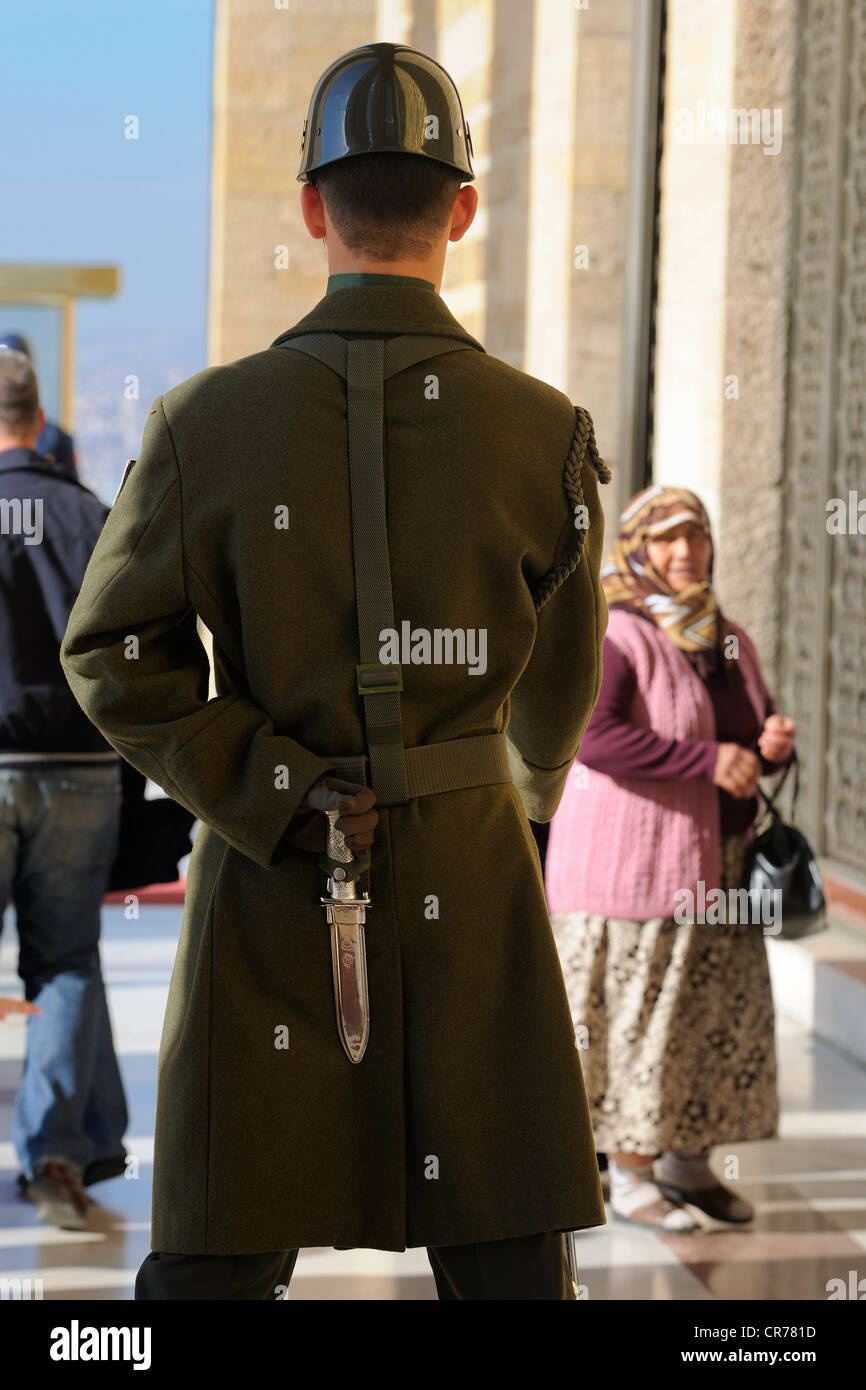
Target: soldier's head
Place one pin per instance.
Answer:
(387, 208)
(21, 416)
(386, 162)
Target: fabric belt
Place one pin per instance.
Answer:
(394, 772)
(450, 766)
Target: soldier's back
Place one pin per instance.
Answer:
(474, 456)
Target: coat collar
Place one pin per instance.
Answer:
(28, 460)
(363, 277)
(381, 309)
(13, 460)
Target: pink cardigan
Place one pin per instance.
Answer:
(626, 848)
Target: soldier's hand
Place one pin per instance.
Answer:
(358, 820)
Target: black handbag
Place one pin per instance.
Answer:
(781, 860)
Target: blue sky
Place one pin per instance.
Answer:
(73, 188)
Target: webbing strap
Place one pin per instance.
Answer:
(364, 385)
(410, 349)
(449, 766)
(407, 350)
(329, 348)
(366, 363)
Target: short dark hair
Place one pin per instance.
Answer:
(388, 206)
(19, 394)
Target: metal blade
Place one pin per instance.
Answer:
(571, 1259)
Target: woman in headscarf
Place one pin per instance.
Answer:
(674, 1016)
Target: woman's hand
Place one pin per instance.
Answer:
(737, 770)
(777, 738)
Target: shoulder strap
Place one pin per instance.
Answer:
(401, 352)
(366, 363)
(378, 684)
(329, 348)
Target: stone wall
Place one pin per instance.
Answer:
(265, 270)
(724, 285)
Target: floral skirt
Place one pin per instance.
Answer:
(674, 1025)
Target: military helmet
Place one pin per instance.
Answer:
(380, 98)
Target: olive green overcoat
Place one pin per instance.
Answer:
(467, 1118)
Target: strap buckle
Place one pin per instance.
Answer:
(390, 678)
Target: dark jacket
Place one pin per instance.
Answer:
(56, 442)
(49, 524)
(467, 1119)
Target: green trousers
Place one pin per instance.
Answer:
(525, 1267)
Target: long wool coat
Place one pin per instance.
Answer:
(467, 1118)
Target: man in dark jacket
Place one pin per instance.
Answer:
(59, 800)
(53, 441)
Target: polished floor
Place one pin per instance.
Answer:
(809, 1186)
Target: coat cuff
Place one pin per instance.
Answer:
(540, 788)
(262, 806)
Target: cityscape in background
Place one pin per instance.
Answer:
(85, 192)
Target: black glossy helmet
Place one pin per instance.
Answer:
(385, 97)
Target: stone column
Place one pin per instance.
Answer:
(266, 271)
(723, 286)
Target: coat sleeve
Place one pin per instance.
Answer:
(553, 700)
(136, 665)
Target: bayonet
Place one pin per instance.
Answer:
(345, 908)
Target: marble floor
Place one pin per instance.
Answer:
(809, 1186)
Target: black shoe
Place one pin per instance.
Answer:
(717, 1202)
(104, 1168)
(99, 1171)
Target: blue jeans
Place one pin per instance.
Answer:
(58, 841)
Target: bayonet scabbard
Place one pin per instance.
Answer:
(345, 909)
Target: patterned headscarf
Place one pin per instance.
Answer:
(689, 618)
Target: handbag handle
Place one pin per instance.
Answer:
(769, 798)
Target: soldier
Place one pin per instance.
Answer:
(395, 541)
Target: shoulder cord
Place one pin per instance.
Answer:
(583, 449)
